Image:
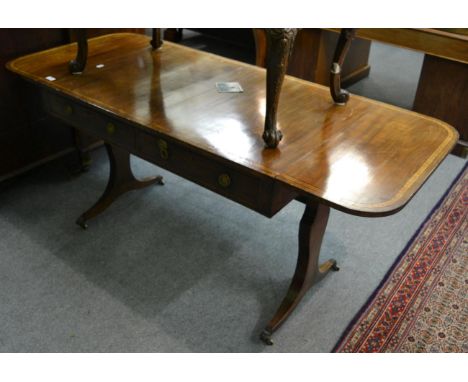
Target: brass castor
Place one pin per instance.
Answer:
(266, 338)
(82, 223)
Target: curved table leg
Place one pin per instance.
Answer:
(308, 270)
(280, 42)
(77, 65)
(121, 180)
(339, 95)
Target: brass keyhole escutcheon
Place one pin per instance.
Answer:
(224, 180)
(68, 110)
(110, 128)
(163, 150)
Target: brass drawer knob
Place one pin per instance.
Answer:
(163, 150)
(224, 180)
(68, 110)
(110, 128)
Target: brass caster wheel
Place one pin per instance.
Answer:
(266, 338)
(82, 223)
(160, 180)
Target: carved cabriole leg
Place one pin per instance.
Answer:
(339, 95)
(308, 271)
(121, 180)
(156, 41)
(280, 42)
(78, 65)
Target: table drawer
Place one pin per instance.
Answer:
(95, 122)
(230, 181)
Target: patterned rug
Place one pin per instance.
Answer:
(421, 304)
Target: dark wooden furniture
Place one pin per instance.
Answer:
(311, 57)
(28, 136)
(279, 47)
(443, 83)
(366, 158)
(280, 42)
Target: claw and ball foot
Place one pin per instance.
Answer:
(280, 42)
(308, 269)
(121, 180)
(272, 137)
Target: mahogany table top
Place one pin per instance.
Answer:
(366, 157)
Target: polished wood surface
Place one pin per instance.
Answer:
(365, 158)
(279, 46)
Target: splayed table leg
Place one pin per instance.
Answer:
(121, 180)
(308, 270)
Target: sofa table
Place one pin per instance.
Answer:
(366, 158)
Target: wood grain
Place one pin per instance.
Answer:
(367, 158)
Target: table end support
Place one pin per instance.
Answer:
(308, 269)
(121, 180)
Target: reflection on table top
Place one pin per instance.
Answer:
(366, 157)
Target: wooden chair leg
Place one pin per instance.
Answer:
(156, 41)
(121, 180)
(308, 270)
(280, 42)
(339, 95)
(77, 66)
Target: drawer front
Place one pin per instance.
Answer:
(232, 182)
(85, 118)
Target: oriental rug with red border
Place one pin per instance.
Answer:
(421, 304)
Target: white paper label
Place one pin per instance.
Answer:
(229, 87)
